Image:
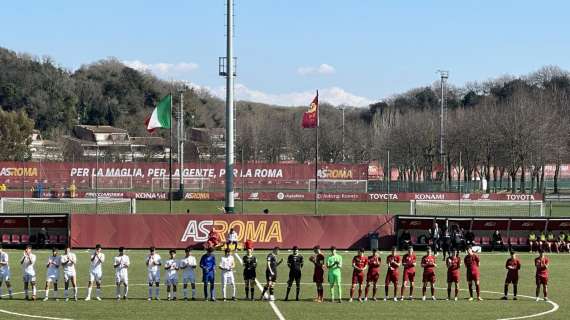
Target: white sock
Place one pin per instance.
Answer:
(56, 294)
(34, 290)
(193, 293)
(75, 292)
(65, 293)
(185, 290)
(98, 292)
(118, 291)
(233, 290)
(47, 293)
(89, 292)
(150, 292)
(224, 290)
(26, 292)
(174, 294)
(156, 291)
(126, 290)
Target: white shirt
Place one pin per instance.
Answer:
(4, 258)
(227, 263)
(233, 236)
(53, 264)
(71, 260)
(153, 262)
(123, 262)
(171, 266)
(95, 264)
(187, 263)
(28, 265)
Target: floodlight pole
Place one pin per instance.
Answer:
(229, 192)
(444, 74)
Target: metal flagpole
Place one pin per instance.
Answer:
(181, 144)
(170, 160)
(317, 160)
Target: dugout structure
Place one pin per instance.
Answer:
(67, 205)
(39, 230)
(514, 230)
(485, 208)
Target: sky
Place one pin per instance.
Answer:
(354, 52)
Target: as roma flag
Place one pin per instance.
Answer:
(311, 117)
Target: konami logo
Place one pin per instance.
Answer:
(429, 196)
(257, 231)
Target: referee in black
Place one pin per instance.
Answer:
(249, 274)
(295, 263)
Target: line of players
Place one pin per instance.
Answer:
(361, 263)
(363, 268)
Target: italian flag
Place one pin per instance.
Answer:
(161, 115)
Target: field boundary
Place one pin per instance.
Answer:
(276, 310)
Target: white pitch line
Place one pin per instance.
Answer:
(280, 316)
(271, 303)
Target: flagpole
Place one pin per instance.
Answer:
(170, 160)
(317, 160)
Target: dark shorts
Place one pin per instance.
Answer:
(392, 277)
(452, 277)
(319, 276)
(372, 277)
(541, 280)
(208, 277)
(357, 277)
(512, 278)
(270, 277)
(409, 276)
(473, 276)
(428, 277)
(249, 275)
(294, 275)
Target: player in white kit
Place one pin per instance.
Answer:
(29, 273)
(52, 273)
(188, 265)
(5, 272)
(153, 263)
(121, 264)
(227, 265)
(171, 267)
(68, 261)
(95, 272)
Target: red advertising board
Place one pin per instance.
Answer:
(129, 175)
(267, 231)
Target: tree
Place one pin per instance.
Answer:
(15, 135)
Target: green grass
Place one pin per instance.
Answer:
(287, 207)
(297, 207)
(137, 307)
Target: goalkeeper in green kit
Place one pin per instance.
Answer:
(334, 263)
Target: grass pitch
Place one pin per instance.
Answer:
(492, 269)
(302, 207)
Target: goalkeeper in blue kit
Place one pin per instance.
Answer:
(208, 265)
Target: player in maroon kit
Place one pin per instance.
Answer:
(453, 264)
(429, 265)
(318, 259)
(472, 265)
(409, 264)
(393, 261)
(373, 274)
(513, 265)
(541, 263)
(359, 265)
